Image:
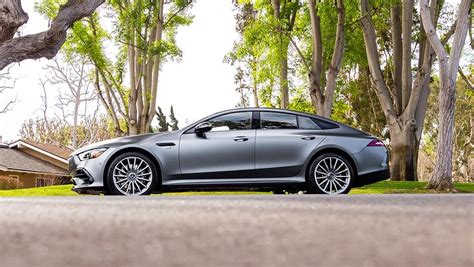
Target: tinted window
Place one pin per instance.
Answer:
(307, 123)
(275, 120)
(233, 121)
(327, 125)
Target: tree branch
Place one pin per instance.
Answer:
(12, 17)
(47, 44)
(374, 63)
(466, 80)
(176, 13)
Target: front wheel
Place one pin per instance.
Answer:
(131, 174)
(330, 174)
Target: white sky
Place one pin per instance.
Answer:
(199, 85)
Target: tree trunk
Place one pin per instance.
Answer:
(336, 61)
(403, 145)
(322, 97)
(283, 53)
(315, 74)
(443, 171)
(12, 17)
(407, 22)
(403, 126)
(284, 76)
(448, 69)
(397, 56)
(255, 94)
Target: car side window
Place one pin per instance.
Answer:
(308, 123)
(276, 120)
(232, 121)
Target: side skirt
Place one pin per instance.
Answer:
(246, 184)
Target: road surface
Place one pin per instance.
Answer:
(245, 230)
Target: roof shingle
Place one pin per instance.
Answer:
(13, 159)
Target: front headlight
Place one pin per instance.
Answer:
(92, 154)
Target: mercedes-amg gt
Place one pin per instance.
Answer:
(240, 149)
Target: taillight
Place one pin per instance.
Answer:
(376, 142)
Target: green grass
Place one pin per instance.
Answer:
(57, 190)
(384, 187)
(395, 187)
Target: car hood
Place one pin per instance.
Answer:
(120, 141)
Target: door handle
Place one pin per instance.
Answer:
(308, 138)
(240, 138)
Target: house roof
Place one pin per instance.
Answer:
(60, 151)
(57, 152)
(16, 160)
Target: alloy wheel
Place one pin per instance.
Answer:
(132, 176)
(332, 175)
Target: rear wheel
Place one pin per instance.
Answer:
(131, 174)
(330, 174)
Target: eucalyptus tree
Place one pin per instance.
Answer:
(44, 44)
(448, 70)
(402, 99)
(126, 80)
(284, 17)
(266, 28)
(322, 96)
(313, 53)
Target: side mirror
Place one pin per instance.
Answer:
(201, 128)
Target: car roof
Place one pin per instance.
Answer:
(274, 110)
(260, 109)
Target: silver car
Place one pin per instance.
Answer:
(241, 149)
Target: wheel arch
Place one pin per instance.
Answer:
(137, 150)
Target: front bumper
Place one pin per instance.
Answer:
(87, 175)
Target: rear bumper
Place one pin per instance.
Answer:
(373, 177)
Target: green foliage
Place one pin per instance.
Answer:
(143, 34)
(300, 102)
(174, 121)
(162, 122)
(260, 48)
(357, 105)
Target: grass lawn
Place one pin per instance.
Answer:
(384, 187)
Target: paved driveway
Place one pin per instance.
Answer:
(248, 230)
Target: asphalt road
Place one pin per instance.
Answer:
(251, 230)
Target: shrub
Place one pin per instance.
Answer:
(7, 183)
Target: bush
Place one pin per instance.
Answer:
(7, 183)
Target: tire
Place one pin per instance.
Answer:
(135, 169)
(327, 171)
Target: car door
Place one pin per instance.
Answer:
(284, 143)
(227, 151)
